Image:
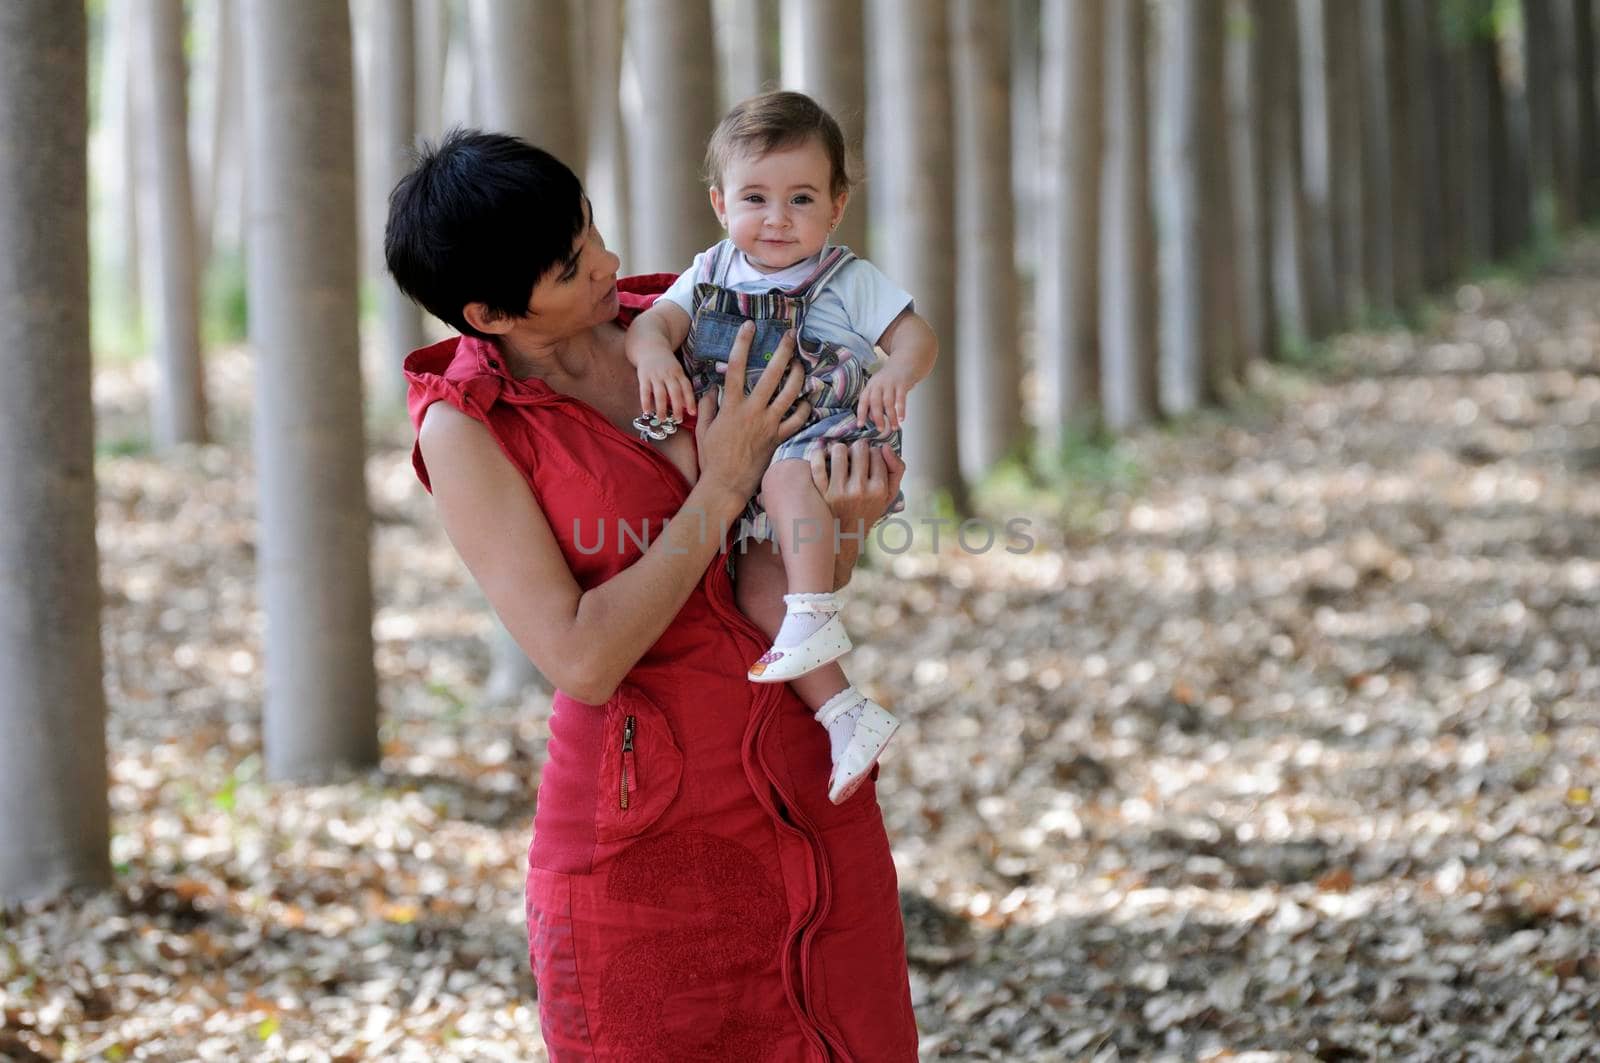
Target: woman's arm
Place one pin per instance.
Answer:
(585, 642)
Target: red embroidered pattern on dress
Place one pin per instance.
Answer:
(740, 933)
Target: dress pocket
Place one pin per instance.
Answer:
(641, 767)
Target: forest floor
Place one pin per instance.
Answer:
(1281, 744)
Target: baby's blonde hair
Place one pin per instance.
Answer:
(769, 122)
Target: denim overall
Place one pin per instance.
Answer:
(835, 374)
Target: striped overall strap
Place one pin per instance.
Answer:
(833, 260)
(711, 265)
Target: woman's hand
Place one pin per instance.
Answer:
(737, 436)
(858, 482)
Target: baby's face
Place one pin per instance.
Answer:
(776, 206)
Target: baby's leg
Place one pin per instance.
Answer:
(758, 588)
(803, 524)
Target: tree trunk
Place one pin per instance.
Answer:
(1027, 133)
(511, 674)
(1423, 196)
(55, 830)
(178, 413)
(1500, 141)
(913, 51)
(747, 48)
(1184, 385)
(432, 19)
(321, 701)
(1246, 149)
(1539, 77)
(670, 44)
(1376, 165)
(1404, 225)
(1445, 140)
(1072, 113)
(1316, 156)
(1568, 131)
(988, 362)
(606, 170)
(1220, 282)
(1477, 74)
(222, 213)
(1127, 239)
(1588, 105)
(1342, 45)
(458, 91)
(118, 119)
(523, 66)
(1286, 222)
(392, 112)
(823, 57)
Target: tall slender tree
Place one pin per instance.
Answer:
(1246, 151)
(321, 699)
(671, 45)
(823, 57)
(1185, 173)
(54, 833)
(117, 120)
(1220, 283)
(1128, 368)
(1316, 158)
(1565, 121)
(392, 110)
(1422, 119)
(179, 409)
(432, 18)
(1445, 134)
(1586, 78)
(1290, 263)
(1404, 219)
(220, 208)
(1342, 51)
(1071, 155)
(606, 164)
(988, 362)
(1475, 87)
(747, 47)
(1027, 176)
(1199, 298)
(913, 52)
(1539, 80)
(1376, 150)
(525, 81)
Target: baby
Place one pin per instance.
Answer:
(778, 183)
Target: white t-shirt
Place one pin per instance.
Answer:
(852, 310)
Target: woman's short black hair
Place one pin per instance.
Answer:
(480, 219)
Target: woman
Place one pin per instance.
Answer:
(692, 895)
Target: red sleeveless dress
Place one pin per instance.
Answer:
(691, 893)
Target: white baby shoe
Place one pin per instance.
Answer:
(874, 727)
(812, 635)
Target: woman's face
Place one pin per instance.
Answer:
(581, 291)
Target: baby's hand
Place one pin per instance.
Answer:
(664, 387)
(883, 400)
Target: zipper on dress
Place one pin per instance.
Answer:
(627, 757)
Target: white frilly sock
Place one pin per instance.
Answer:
(805, 615)
(839, 715)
